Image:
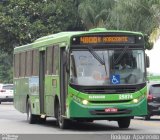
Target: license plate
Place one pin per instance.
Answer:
(111, 110)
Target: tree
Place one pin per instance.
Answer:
(23, 21)
(95, 13)
(134, 16)
(156, 31)
(6, 73)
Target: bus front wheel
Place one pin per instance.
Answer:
(30, 117)
(124, 122)
(62, 122)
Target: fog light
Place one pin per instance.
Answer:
(85, 102)
(135, 100)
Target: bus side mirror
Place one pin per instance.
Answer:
(147, 62)
(148, 43)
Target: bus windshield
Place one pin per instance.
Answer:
(120, 66)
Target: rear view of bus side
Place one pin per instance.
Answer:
(83, 76)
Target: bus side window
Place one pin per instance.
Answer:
(55, 60)
(49, 60)
(16, 65)
(72, 66)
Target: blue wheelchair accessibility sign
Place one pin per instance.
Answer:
(115, 79)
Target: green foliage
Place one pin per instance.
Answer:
(152, 77)
(95, 13)
(136, 16)
(23, 21)
(6, 73)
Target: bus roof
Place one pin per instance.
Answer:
(63, 38)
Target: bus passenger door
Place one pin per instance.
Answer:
(63, 80)
(41, 80)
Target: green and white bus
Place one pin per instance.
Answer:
(76, 76)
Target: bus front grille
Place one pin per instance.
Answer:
(110, 102)
(110, 91)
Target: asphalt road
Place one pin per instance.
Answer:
(14, 122)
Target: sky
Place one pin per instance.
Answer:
(154, 56)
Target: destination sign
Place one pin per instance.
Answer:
(88, 40)
(103, 40)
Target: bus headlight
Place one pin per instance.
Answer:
(135, 100)
(85, 102)
(138, 99)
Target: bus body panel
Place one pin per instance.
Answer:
(20, 93)
(51, 90)
(24, 88)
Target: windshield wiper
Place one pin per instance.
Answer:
(100, 60)
(121, 55)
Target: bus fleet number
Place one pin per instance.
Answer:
(125, 96)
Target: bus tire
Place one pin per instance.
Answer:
(147, 117)
(30, 117)
(124, 122)
(62, 122)
(42, 120)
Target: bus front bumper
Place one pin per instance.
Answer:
(77, 110)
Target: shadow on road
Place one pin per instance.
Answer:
(87, 127)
